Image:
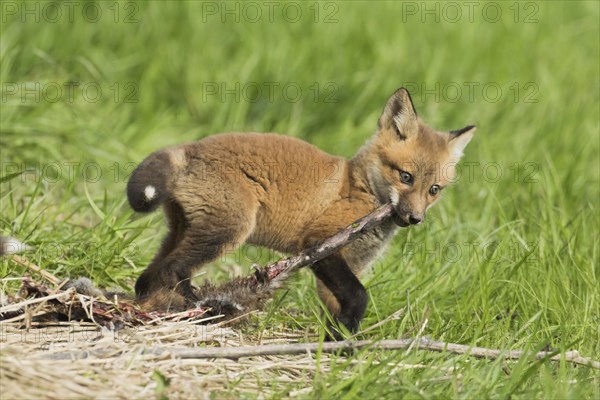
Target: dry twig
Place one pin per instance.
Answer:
(37, 269)
(329, 246)
(329, 347)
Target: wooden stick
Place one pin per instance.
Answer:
(328, 247)
(330, 347)
(17, 306)
(37, 269)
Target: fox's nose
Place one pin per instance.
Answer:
(414, 219)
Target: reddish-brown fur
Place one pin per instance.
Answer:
(285, 194)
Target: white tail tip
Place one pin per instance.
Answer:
(149, 192)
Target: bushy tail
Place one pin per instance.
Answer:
(149, 183)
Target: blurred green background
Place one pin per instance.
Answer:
(508, 258)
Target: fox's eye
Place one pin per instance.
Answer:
(405, 177)
(434, 190)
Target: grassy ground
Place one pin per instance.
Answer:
(509, 259)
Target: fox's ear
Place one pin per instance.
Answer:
(459, 139)
(399, 115)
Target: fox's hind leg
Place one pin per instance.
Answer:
(177, 224)
(147, 282)
(198, 237)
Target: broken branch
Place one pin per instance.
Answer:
(330, 347)
(37, 269)
(327, 247)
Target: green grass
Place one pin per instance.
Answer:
(508, 261)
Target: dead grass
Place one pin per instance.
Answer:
(112, 349)
(125, 370)
(119, 364)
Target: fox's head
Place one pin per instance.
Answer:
(410, 163)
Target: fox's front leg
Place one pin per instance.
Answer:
(350, 297)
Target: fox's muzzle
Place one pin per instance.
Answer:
(405, 218)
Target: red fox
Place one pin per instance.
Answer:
(285, 194)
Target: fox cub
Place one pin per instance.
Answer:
(285, 194)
